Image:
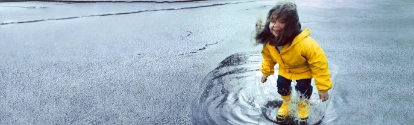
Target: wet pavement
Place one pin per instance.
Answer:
(194, 63)
(235, 95)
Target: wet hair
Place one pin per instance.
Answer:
(286, 13)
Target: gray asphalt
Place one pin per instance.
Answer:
(133, 67)
(372, 44)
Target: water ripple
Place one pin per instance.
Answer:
(234, 95)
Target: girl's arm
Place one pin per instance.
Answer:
(268, 64)
(319, 66)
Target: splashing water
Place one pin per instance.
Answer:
(234, 95)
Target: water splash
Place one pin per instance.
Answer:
(234, 95)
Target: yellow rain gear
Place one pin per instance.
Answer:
(302, 59)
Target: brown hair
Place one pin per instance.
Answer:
(286, 13)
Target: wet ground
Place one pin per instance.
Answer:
(235, 95)
(156, 63)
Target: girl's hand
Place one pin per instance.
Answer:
(264, 79)
(324, 96)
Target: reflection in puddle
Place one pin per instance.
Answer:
(234, 95)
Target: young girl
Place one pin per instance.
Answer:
(300, 58)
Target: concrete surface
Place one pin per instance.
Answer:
(114, 63)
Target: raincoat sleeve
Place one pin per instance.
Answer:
(319, 66)
(268, 64)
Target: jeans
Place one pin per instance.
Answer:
(303, 86)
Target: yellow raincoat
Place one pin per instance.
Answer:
(303, 59)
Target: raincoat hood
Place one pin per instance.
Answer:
(302, 35)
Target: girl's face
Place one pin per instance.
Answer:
(276, 27)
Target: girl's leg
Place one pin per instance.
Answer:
(304, 87)
(283, 85)
(283, 88)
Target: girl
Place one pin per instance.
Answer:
(300, 58)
